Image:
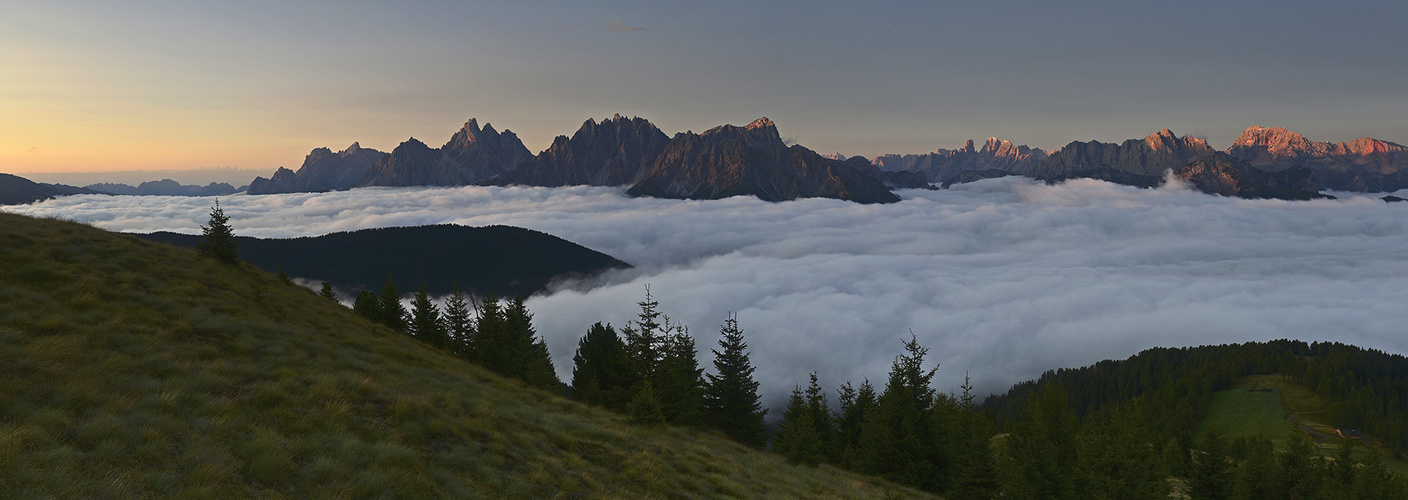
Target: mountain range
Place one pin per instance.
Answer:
(164, 187)
(753, 160)
(1259, 155)
(723, 161)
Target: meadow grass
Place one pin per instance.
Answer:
(135, 369)
(1289, 408)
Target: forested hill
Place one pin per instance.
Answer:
(139, 370)
(502, 260)
(1362, 388)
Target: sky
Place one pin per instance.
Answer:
(1001, 279)
(157, 86)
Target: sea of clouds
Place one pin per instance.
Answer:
(1001, 279)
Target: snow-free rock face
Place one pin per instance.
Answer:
(1226, 175)
(485, 153)
(1135, 158)
(322, 170)
(413, 163)
(753, 160)
(471, 155)
(945, 164)
(1363, 164)
(615, 152)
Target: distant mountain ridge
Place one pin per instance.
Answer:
(944, 164)
(615, 152)
(322, 170)
(164, 187)
(723, 161)
(471, 155)
(729, 161)
(1364, 164)
(752, 160)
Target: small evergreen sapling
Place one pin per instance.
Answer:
(327, 291)
(219, 241)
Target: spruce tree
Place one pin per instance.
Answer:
(1116, 460)
(393, 314)
(487, 346)
(820, 413)
(731, 402)
(426, 324)
(458, 322)
(1211, 475)
(1301, 469)
(898, 438)
(219, 242)
(1039, 454)
(600, 375)
(796, 436)
(643, 339)
(527, 353)
(855, 404)
(1256, 476)
(327, 291)
(644, 408)
(975, 474)
(678, 379)
(368, 305)
(283, 276)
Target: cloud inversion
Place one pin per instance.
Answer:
(1002, 279)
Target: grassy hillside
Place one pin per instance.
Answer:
(136, 369)
(1288, 408)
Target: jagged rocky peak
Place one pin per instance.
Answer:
(967, 147)
(411, 143)
(1279, 141)
(471, 134)
(1166, 139)
(1274, 138)
(351, 150)
(763, 123)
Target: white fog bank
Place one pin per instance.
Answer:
(1002, 279)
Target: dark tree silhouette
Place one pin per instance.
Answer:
(425, 320)
(600, 375)
(219, 241)
(459, 325)
(731, 402)
(327, 291)
(393, 314)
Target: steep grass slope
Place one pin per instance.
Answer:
(135, 369)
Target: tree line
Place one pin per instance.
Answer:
(1115, 429)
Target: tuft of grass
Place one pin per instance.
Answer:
(135, 369)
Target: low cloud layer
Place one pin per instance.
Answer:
(1002, 279)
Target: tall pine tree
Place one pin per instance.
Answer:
(393, 314)
(426, 324)
(731, 402)
(678, 380)
(898, 438)
(854, 404)
(459, 325)
(600, 375)
(796, 436)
